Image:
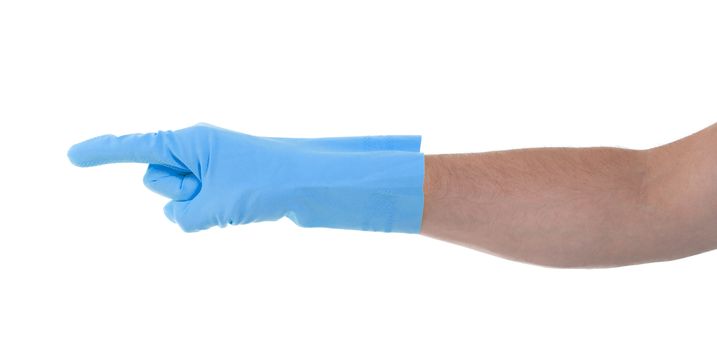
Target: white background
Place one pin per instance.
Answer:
(88, 260)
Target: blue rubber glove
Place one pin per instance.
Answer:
(217, 177)
(178, 185)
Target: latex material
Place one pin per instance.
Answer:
(183, 186)
(217, 177)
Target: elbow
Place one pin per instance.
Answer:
(568, 264)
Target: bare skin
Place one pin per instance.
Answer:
(578, 207)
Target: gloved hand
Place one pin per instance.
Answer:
(217, 177)
(178, 185)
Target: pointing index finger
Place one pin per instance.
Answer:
(134, 148)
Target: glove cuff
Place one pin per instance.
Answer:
(369, 191)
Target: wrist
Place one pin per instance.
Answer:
(369, 191)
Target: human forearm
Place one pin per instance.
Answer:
(565, 207)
